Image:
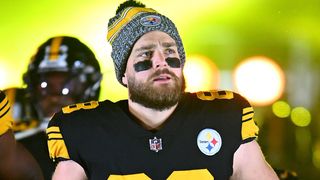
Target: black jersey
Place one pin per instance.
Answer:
(197, 141)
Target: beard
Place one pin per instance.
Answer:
(160, 97)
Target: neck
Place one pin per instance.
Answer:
(150, 118)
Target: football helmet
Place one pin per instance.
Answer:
(64, 68)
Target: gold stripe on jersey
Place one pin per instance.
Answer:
(247, 117)
(246, 110)
(11, 95)
(249, 127)
(55, 48)
(57, 147)
(6, 120)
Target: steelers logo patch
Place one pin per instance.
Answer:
(150, 20)
(209, 141)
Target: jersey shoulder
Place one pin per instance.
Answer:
(229, 103)
(81, 111)
(6, 120)
(220, 96)
(24, 114)
(69, 122)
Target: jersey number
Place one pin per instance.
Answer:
(211, 95)
(76, 107)
(203, 174)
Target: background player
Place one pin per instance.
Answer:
(63, 71)
(15, 161)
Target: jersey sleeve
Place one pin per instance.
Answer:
(6, 120)
(238, 105)
(57, 148)
(249, 129)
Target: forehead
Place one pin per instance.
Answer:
(54, 76)
(154, 37)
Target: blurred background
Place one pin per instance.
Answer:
(268, 51)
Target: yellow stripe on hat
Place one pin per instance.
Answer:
(126, 16)
(54, 48)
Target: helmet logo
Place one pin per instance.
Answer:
(55, 59)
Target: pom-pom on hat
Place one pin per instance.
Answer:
(132, 21)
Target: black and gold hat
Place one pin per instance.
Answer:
(132, 21)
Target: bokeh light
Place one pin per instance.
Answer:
(281, 109)
(300, 116)
(260, 80)
(200, 73)
(316, 155)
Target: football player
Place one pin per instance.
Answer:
(63, 71)
(15, 161)
(160, 132)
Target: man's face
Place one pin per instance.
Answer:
(54, 91)
(154, 72)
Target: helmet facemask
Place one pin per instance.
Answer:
(64, 71)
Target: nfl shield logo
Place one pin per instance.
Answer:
(155, 144)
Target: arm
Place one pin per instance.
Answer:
(249, 163)
(69, 170)
(16, 162)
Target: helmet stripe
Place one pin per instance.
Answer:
(55, 47)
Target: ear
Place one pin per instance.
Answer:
(124, 79)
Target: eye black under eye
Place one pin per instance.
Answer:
(147, 64)
(173, 62)
(142, 65)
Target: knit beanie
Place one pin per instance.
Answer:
(129, 25)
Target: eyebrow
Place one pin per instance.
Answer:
(151, 46)
(168, 44)
(147, 47)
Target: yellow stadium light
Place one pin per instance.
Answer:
(8, 78)
(281, 109)
(300, 116)
(316, 155)
(200, 73)
(260, 80)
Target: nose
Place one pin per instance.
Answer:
(54, 99)
(159, 60)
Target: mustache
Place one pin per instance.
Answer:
(162, 71)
